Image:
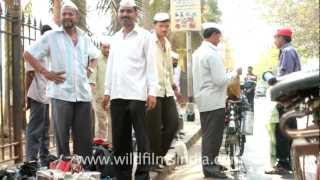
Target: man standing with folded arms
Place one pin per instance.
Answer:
(131, 86)
(72, 57)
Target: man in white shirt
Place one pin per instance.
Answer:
(162, 121)
(176, 69)
(131, 86)
(210, 81)
(72, 58)
(37, 133)
(176, 80)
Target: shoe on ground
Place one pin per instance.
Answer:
(217, 174)
(221, 167)
(277, 170)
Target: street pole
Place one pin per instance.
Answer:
(190, 106)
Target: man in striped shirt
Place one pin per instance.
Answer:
(73, 56)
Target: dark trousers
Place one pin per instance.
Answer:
(124, 115)
(283, 143)
(212, 125)
(250, 97)
(74, 116)
(37, 132)
(162, 125)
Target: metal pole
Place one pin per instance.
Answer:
(18, 96)
(189, 65)
(190, 107)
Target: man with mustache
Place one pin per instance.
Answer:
(72, 57)
(131, 86)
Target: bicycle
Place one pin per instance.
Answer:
(299, 94)
(235, 135)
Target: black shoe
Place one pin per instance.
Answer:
(157, 168)
(29, 169)
(144, 176)
(221, 167)
(278, 169)
(217, 174)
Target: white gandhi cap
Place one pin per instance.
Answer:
(128, 3)
(69, 4)
(159, 17)
(174, 55)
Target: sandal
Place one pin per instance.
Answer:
(277, 170)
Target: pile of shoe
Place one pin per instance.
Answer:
(28, 170)
(6, 174)
(67, 168)
(103, 156)
(67, 164)
(59, 175)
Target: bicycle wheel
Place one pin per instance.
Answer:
(232, 148)
(242, 141)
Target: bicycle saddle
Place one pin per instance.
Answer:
(291, 85)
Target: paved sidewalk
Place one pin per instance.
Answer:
(192, 135)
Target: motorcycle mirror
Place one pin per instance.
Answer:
(269, 78)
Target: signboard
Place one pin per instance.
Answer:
(185, 15)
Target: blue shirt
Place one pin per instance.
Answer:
(289, 60)
(65, 56)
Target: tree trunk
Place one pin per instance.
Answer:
(56, 12)
(147, 14)
(82, 6)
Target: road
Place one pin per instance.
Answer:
(256, 157)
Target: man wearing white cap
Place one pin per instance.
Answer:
(162, 121)
(209, 84)
(72, 57)
(131, 86)
(176, 69)
(97, 81)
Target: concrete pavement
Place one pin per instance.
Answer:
(256, 157)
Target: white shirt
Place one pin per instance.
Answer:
(162, 58)
(65, 56)
(209, 78)
(131, 70)
(38, 86)
(176, 76)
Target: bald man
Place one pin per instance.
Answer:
(97, 82)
